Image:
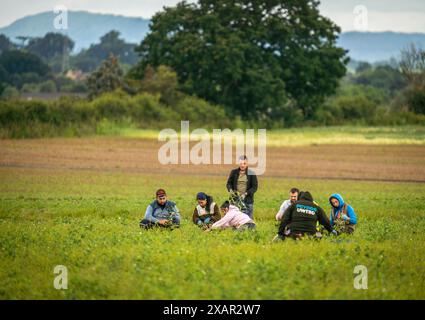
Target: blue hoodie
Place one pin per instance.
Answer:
(350, 211)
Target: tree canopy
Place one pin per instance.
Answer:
(253, 56)
(108, 77)
(50, 46)
(110, 43)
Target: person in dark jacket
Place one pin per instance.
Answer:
(244, 181)
(206, 211)
(301, 218)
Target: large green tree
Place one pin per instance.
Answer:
(249, 55)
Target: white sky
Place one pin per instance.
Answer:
(383, 15)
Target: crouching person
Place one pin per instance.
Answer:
(293, 197)
(233, 218)
(343, 218)
(301, 218)
(161, 213)
(206, 212)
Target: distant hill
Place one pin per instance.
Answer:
(86, 28)
(378, 46)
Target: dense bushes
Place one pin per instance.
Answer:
(71, 116)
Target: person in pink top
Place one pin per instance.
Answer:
(233, 218)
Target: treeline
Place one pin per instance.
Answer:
(46, 64)
(221, 66)
(105, 114)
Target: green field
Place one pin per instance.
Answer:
(311, 135)
(88, 221)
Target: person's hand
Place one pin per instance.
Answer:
(163, 222)
(345, 217)
(243, 196)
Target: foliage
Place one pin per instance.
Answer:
(88, 222)
(88, 60)
(50, 46)
(250, 56)
(107, 78)
(163, 82)
(31, 119)
(5, 44)
(412, 65)
(386, 78)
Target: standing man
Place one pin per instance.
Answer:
(161, 213)
(244, 181)
(293, 197)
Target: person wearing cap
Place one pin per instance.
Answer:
(342, 218)
(161, 212)
(233, 218)
(206, 211)
(244, 181)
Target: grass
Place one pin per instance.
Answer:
(321, 135)
(88, 221)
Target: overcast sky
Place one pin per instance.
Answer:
(383, 15)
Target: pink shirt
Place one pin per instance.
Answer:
(233, 218)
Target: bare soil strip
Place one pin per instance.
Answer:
(398, 163)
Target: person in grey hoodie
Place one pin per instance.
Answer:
(161, 213)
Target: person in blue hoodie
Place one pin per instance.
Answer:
(343, 218)
(161, 213)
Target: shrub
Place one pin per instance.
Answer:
(200, 112)
(416, 99)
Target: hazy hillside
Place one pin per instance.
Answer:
(86, 28)
(378, 46)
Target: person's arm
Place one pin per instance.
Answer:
(331, 217)
(282, 208)
(195, 216)
(287, 218)
(230, 181)
(176, 219)
(149, 215)
(352, 218)
(224, 220)
(254, 185)
(323, 219)
(216, 215)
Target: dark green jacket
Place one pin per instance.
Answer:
(302, 216)
(251, 188)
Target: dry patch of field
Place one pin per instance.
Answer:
(363, 162)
